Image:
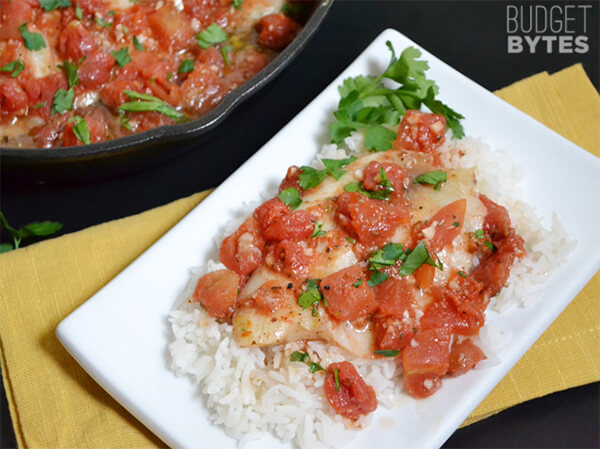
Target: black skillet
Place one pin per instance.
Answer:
(138, 151)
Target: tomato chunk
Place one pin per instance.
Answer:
(422, 132)
(97, 123)
(13, 14)
(242, 251)
(350, 397)
(443, 314)
(271, 296)
(372, 179)
(291, 179)
(276, 31)
(12, 96)
(425, 360)
(497, 220)
(463, 357)
(217, 292)
(448, 223)
(95, 69)
(270, 211)
(171, 28)
(278, 222)
(75, 41)
(347, 294)
(290, 258)
(372, 221)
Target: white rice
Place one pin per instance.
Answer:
(250, 391)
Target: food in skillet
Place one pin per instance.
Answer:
(75, 72)
(367, 276)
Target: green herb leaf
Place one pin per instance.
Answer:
(187, 65)
(309, 298)
(51, 5)
(63, 101)
(225, 53)
(350, 239)
(41, 104)
(310, 177)
(78, 12)
(334, 167)
(373, 194)
(358, 283)
(417, 257)
(40, 229)
(456, 224)
(379, 138)
(70, 69)
(103, 23)
(298, 356)
(125, 123)
(479, 234)
(336, 378)
(434, 178)
(295, 11)
(290, 197)
(387, 352)
(314, 367)
(80, 129)
(377, 277)
(150, 103)
(489, 245)
(462, 274)
(452, 117)
(237, 4)
(137, 44)
(6, 247)
(214, 34)
(318, 231)
(33, 41)
(16, 67)
(122, 56)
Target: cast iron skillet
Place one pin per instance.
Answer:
(122, 155)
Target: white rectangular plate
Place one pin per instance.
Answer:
(120, 335)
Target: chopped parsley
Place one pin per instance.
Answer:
(187, 65)
(358, 283)
(337, 380)
(122, 56)
(225, 53)
(489, 245)
(147, 102)
(318, 232)
(373, 194)
(377, 278)
(70, 69)
(387, 352)
(456, 224)
(417, 257)
(434, 178)
(63, 101)
(237, 4)
(41, 104)
(51, 5)
(16, 67)
(462, 274)
(387, 256)
(33, 41)
(303, 357)
(479, 234)
(333, 167)
(78, 12)
(80, 129)
(367, 104)
(290, 197)
(136, 42)
(214, 34)
(103, 23)
(350, 239)
(310, 177)
(312, 296)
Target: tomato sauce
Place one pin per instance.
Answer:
(66, 75)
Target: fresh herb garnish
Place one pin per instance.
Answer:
(103, 23)
(350, 239)
(41, 104)
(434, 178)
(456, 224)
(187, 65)
(137, 44)
(150, 103)
(16, 67)
(333, 167)
(290, 197)
(122, 56)
(479, 234)
(358, 283)
(387, 352)
(417, 257)
(70, 69)
(367, 104)
(51, 5)
(318, 231)
(214, 34)
(125, 123)
(312, 295)
(35, 229)
(225, 53)
(462, 274)
(298, 356)
(336, 378)
(489, 245)
(377, 277)
(310, 177)
(237, 4)
(314, 367)
(373, 194)
(63, 101)
(33, 41)
(80, 129)
(78, 12)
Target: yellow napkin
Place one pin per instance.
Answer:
(55, 404)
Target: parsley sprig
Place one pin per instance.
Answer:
(303, 357)
(367, 104)
(310, 177)
(147, 102)
(312, 296)
(35, 229)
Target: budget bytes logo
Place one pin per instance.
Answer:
(548, 28)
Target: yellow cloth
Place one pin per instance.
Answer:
(55, 404)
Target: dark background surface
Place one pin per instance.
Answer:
(470, 36)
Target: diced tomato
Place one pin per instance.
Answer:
(217, 292)
(242, 251)
(13, 14)
(493, 272)
(442, 313)
(42, 91)
(48, 134)
(392, 332)
(95, 69)
(347, 294)
(395, 174)
(467, 295)
(92, 7)
(372, 221)
(427, 357)
(395, 297)
(209, 11)
(149, 120)
(272, 295)
(75, 41)
(422, 132)
(448, 224)
(497, 221)
(245, 63)
(290, 258)
(12, 96)
(202, 88)
(463, 357)
(171, 28)
(112, 94)
(350, 396)
(276, 31)
(296, 225)
(291, 179)
(97, 123)
(270, 211)
(151, 66)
